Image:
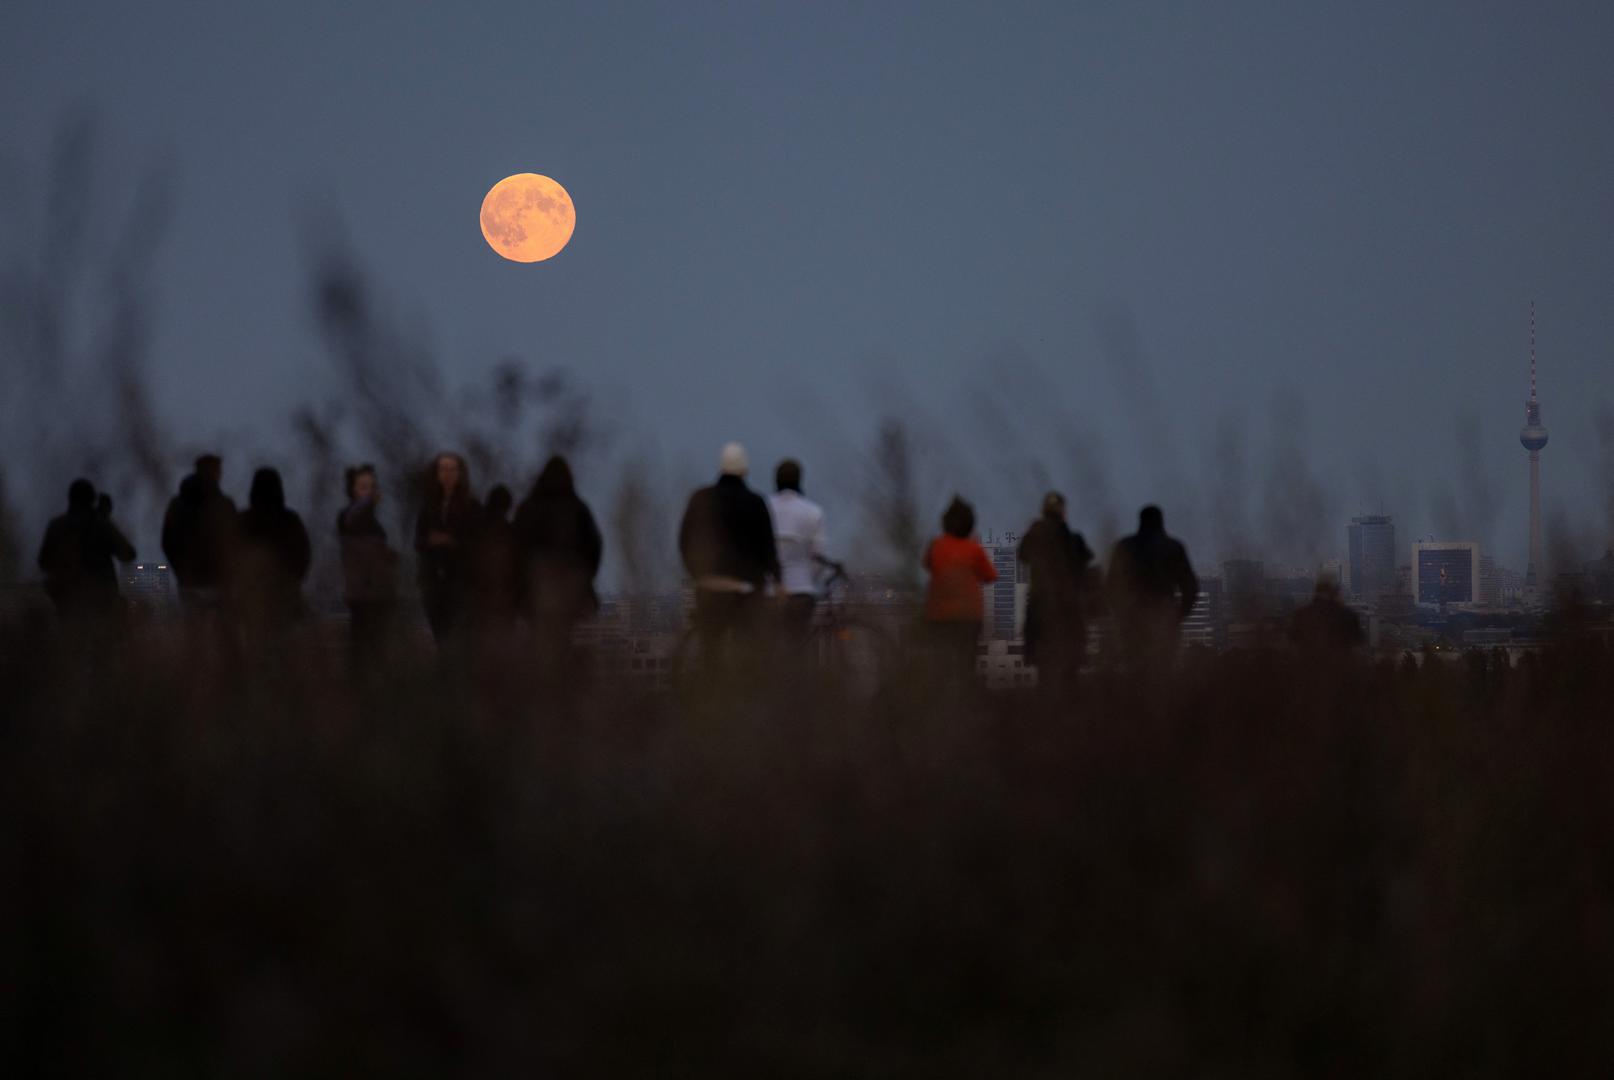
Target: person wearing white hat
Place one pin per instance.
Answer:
(726, 540)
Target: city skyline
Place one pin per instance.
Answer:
(1030, 249)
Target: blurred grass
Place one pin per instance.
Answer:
(1257, 869)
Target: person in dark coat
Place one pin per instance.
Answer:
(1151, 588)
(494, 557)
(1325, 627)
(369, 567)
(445, 533)
(1056, 618)
(558, 549)
(199, 530)
(726, 540)
(76, 558)
(272, 556)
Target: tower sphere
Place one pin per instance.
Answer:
(1533, 436)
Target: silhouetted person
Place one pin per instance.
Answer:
(445, 533)
(798, 533)
(369, 567)
(558, 549)
(958, 567)
(1056, 617)
(272, 556)
(76, 559)
(199, 531)
(494, 564)
(726, 540)
(1325, 626)
(1151, 589)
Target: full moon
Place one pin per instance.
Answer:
(528, 218)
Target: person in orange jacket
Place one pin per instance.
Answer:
(958, 567)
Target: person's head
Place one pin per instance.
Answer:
(959, 518)
(498, 502)
(448, 480)
(450, 470)
(1327, 590)
(554, 480)
(733, 460)
(210, 468)
(103, 504)
(1151, 520)
(362, 484)
(1053, 505)
(80, 494)
(787, 477)
(267, 494)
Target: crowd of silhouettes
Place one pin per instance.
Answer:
(485, 567)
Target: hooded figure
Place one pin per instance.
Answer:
(445, 532)
(273, 555)
(558, 549)
(1056, 619)
(1151, 589)
(199, 528)
(76, 556)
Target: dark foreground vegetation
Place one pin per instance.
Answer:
(1260, 868)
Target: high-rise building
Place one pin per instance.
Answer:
(148, 587)
(1201, 626)
(1371, 541)
(1446, 573)
(1533, 436)
(1006, 597)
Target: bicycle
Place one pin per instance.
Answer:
(837, 645)
(842, 647)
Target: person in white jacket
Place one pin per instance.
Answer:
(798, 530)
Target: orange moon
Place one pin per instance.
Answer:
(528, 218)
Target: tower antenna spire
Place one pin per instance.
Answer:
(1533, 436)
(1532, 350)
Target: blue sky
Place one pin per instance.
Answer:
(1139, 228)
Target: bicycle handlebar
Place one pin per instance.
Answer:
(837, 570)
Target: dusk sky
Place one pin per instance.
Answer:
(792, 218)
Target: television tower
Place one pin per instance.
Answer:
(1533, 437)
